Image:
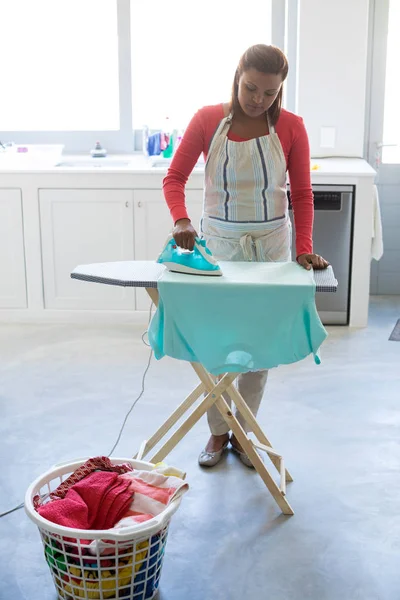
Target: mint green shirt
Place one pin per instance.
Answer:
(256, 316)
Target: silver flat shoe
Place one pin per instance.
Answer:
(243, 457)
(210, 459)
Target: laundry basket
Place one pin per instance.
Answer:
(99, 564)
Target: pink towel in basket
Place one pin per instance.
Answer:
(98, 501)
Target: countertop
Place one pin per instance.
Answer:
(342, 167)
(139, 164)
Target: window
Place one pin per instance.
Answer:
(391, 124)
(186, 57)
(61, 70)
(77, 71)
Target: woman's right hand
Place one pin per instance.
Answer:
(184, 234)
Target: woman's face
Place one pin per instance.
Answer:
(257, 91)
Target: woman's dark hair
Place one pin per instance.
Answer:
(266, 59)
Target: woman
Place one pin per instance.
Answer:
(249, 144)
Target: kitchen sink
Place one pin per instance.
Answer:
(157, 164)
(95, 163)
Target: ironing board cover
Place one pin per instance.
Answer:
(256, 316)
(146, 273)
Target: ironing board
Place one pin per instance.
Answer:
(145, 274)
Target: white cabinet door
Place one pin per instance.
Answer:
(12, 272)
(153, 223)
(81, 227)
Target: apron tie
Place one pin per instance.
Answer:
(246, 243)
(252, 247)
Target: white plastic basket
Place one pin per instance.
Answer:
(125, 564)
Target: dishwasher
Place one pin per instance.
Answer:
(333, 234)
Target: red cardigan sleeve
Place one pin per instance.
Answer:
(183, 162)
(196, 140)
(298, 165)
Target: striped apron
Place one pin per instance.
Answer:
(245, 210)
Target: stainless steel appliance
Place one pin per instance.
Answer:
(333, 233)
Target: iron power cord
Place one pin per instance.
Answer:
(8, 512)
(141, 391)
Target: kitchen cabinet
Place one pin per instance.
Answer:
(13, 279)
(81, 226)
(153, 223)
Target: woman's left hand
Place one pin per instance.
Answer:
(312, 261)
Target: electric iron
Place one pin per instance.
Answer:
(199, 261)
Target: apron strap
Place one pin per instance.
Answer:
(225, 121)
(271, 128)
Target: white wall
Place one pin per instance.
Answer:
(333, 36)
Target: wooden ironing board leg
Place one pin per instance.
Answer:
(264, 443)
(153, 293)
(172, 420)
(278, 493)
(194, 417)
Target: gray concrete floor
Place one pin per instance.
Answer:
(64, 391)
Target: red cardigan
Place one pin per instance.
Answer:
(293, 137)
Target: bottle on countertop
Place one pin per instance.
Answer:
(178, 139)
(145, 140)
(169, 134)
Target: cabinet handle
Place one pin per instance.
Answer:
(127, 204)
(139, 204)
